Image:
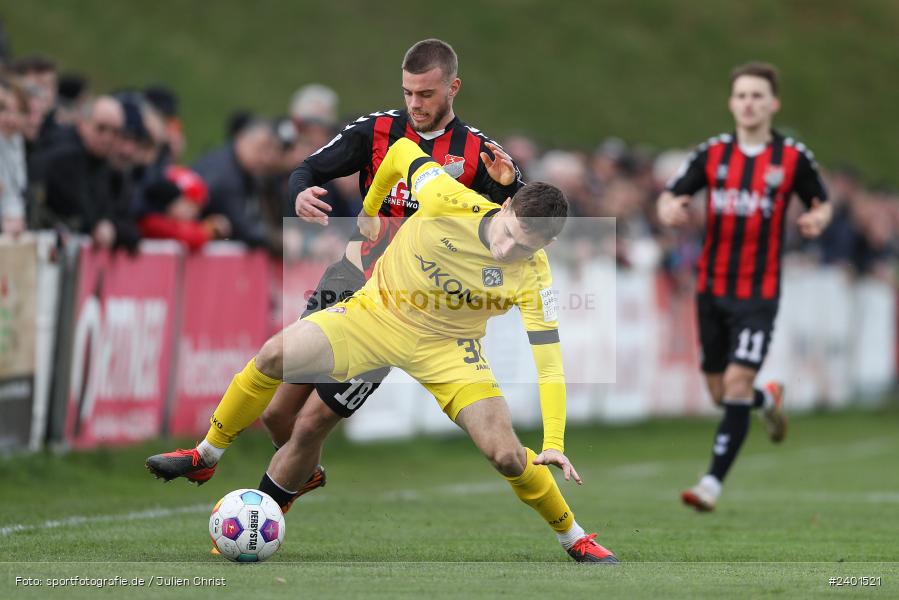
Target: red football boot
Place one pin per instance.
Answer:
(586, 550)
(180, 463)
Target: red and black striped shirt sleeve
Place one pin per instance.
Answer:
(347, 153)
(691, 177)
(808, 184)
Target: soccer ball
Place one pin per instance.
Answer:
(247, 526)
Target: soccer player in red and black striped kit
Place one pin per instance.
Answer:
(430, 83)
(750, 177)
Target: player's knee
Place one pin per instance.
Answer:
(270, 359)
(738, 384)
(508, 460)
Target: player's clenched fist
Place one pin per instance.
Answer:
(310, 207)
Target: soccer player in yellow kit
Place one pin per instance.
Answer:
(458, 261)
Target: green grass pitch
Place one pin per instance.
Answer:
(430, 517)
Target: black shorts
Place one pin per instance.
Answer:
(340, 281)
(734, 331)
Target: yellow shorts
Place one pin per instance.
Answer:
(365, 336)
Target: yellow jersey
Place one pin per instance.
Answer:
(439, 277)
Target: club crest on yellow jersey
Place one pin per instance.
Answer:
(492, 276)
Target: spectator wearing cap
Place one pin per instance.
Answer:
(165, 101)
(126, 148)
(149, 159)
(129, 174)
(234, 174)
(175, 203)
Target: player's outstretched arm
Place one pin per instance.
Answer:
(547, 353)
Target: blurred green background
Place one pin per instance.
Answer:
(569, 73)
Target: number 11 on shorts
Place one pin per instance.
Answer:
(750, 347)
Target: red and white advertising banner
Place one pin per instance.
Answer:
(225, 320)
(125, 309)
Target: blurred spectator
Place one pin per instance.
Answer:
(126, 146)
(666, 166)
(37, 75)
(234, 175)
(79, 179)
(72, 93)
(236, 121)
(148, 159)
(313, 109)
(165, 101)
(13, 177)
(837, 243)
(626, 202)
(293, 148)
(343, 193)
(153, 150)
(605, 163)
(343, 196)
(314, 103)
(174, 206)
(567, 171)
(524, 152)
(874, 243)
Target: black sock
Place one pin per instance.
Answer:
(729, 437)
(758, 398)
(271, 488)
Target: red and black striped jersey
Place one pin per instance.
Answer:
(361, 147)
(746, 202)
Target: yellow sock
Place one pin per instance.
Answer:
(247, 396)
(537, 488)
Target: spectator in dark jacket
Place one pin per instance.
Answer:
(79, 179)
(233, 174)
